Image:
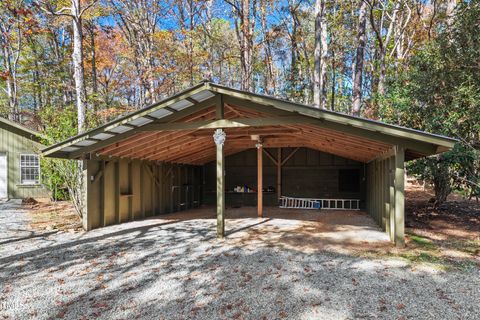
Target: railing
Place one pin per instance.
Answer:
(309, 203)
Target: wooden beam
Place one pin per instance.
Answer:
(234, 132)
(122, 136)
(97, 175)
(145, 138)
(219, 107)
(341, 121)
(190, 99)
(269, 155)
(289, 156)
(260, 180)
(399, 197)
(148, 141)
(228, 123)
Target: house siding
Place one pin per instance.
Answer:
(15, 144)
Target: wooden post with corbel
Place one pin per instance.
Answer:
(219, 139)
(259, 178)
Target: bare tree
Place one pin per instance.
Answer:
(268, 77)
(321, 51)
(383, 30)
(139, 22)
(11, 37)
(75, 12)
(245, 18)
(359, 59)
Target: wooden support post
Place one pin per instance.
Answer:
(399, 197)
(142, 188)
(117, 192)
(86, 220)
(130, 191)
(392, 198)
(102, 195)
(386, 194)
(219, 138)
(219, 107)
(279, 172)
(259, 179)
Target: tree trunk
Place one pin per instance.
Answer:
(359, 59)
(268, 81)
(78, 71)
(294, 70)
(441, 181)
(11, 57)
(320, 56)
(246, 46)
(208, 27)
(190, 41)
(450, 11)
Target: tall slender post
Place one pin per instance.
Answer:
(259, 179)
(279, 172)
(399, 197)
(391, 190)
(219, 137)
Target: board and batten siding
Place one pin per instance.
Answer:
(385, 193)
(120, 190)
(14, 144)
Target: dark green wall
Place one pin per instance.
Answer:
(309, 173)
(123, 190)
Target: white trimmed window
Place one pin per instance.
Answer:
(29, 169)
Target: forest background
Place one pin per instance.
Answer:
(70, 65)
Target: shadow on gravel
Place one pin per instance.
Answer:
(32, 235)
(178, 270)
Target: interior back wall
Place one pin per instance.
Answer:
(308, 173)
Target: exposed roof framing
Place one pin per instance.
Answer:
(179, 129)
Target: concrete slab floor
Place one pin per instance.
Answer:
(305, 230)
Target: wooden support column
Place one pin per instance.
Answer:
(117, 192)
(279, 172)
(86, 219)
(259, 179)
(399, 196)
(391, 174)
(219, 138)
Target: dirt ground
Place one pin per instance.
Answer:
(444, 237)
(448, 235)
(48, 215)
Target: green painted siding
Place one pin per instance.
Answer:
(126, 190)
(15, 144)
(385, 193)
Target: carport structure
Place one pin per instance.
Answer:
(132, 165)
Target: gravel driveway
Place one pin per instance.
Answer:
(167, 269)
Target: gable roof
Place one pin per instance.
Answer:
(20, 130)
(165, 116)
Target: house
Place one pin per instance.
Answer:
(19, 162)
(223, 147)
